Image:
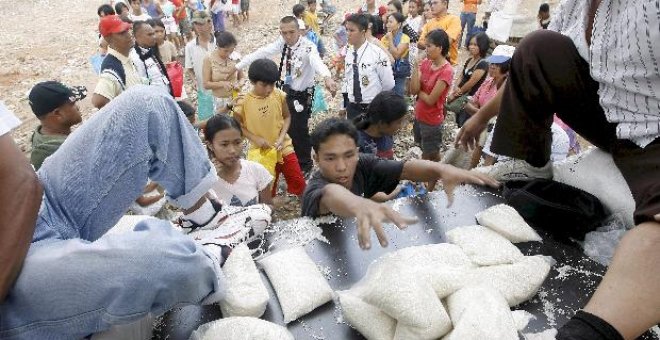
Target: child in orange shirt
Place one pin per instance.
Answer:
(264, 118)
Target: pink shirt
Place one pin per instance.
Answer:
(486, 92)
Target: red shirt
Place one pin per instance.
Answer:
(235, 2)
(433, 114)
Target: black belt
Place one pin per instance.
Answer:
(298, 94)
(360, 107)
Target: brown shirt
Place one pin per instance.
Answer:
(221, 70)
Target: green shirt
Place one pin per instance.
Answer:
(44, 146)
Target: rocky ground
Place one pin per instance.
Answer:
(54, 39)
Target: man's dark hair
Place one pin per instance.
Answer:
(386, 108)
(289, 19)
(309, 2)
(483, 43)
(544, 8)
(138, 24)
(330, 127)
(218, 123)
(120, 7)
(263, 70)
(105, 9)
(156, 22)
(188, 110)
(439, 38)
(224, 39)
(359, 20)
(298, 10)
(397, 5)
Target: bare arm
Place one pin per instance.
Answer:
(266, 196)
(434, 96)
(99, 101)
(415, 78)
(474, 79)
(19, 211)
(285, 127)
(144, 201)
(341, 202)
(468, 134)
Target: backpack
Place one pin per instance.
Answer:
(565, 211)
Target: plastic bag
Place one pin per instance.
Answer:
(175, 73)
(267, 158)
(204, 105)
(319, 104)
(96, 60)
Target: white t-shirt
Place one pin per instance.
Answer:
(245, 191)
(8, 120)
(141, 17)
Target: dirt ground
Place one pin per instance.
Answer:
(54, 39)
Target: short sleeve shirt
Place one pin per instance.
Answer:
(433, 114)
(195, 54)
(405, 39)
(372, 175)
(382, 147)
(468, 71)
(253, 179)
(109, 86)
(450, 24)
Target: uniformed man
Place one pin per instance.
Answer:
(300, 62)
(367, 70)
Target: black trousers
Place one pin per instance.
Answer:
(548, 76)
(299, 128)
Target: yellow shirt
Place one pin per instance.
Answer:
(470, 6)
(263, 117)
(311, 21)
(450, 24)
(405, 39)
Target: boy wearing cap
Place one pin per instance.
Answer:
(55, 105)
(196, 51)
(117, 70)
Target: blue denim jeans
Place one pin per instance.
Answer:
(400, 86)
(467, 23)
(76, 280)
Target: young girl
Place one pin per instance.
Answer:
(167, 50)
(241, 182)
(385, 115)
(415, 20)
(430, 82)
(396, 42)
(219, 72)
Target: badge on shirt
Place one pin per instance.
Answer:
(365, 81)
(298, 73)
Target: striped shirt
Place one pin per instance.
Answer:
(624, 58)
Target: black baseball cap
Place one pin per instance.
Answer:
(49, 95)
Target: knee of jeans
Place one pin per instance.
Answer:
(538, 41)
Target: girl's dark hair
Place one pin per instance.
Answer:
(398, 17)
(377, 27)
(120, 6)
(218, 123)
(224, 39)
(420, 6)
(105, 9)
(397, 5)
(188, 110)
(386, 108)
(441, 39)
(264, 70)
(156, 22)
(330, 127)
(298, 9)
(483, 43)
(544, 8)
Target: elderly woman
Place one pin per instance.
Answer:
(498, 70)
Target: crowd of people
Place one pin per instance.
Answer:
(515, 107)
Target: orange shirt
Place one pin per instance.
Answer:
(470, 6)
(449, 23)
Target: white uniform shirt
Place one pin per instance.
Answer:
(624, 59)
(374, 69)
(305, 61)
(149, 71)
(8, 120)
(195, 54)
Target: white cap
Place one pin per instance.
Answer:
(501, 54)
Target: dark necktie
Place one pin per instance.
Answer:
(357, 91)
(288, 62)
